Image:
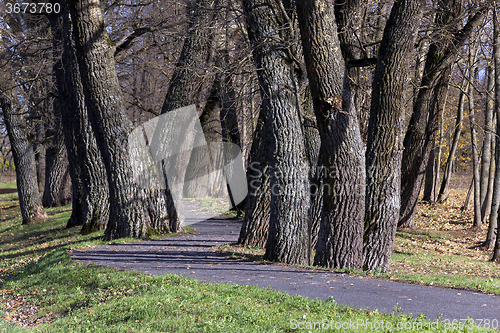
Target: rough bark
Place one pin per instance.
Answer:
(349, 16)
(486, 155)
(256, 223)
(429, 177)
(313, 152)
(340, 235)
(496, 61)
(419, 137)
(90, 207)
(385, 138)
(57, 180)
(475, 159)
(128, 217)
(37, 138)
(255, 226)
(190, 84)
(419, 68)
(270, 31)
(22, 151)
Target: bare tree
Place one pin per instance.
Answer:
(129, 216)
(340, 234)
(496, 63)
(90, 207)
(270, 30)
(386, 128)
(22, 152)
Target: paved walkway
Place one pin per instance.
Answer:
(191, 256)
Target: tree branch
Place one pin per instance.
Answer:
(124, 43)
(365, 62)
(460, 38)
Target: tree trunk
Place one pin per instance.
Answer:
(485, 188)
(437, 164)
(385, 138)
(313, 151)
(350, 19)
(475, 159)
(419, 141)
(496, 62)
(57, 192)
(341, 229)
(22, 151)
(419, 68)
(190, 84)
(269, 29)
(86, 169)
(443, 191)
(229, 122)
(429, 177)
(495, 199)
(37, 140)
(491, 178)
(200, 169)
(255, 228)
(128, 215)
(465, 206)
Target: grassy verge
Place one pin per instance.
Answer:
(216, 206)
(8, 185)
(42, 290)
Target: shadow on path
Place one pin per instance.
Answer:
(191, 256)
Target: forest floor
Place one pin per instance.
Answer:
(42, 289)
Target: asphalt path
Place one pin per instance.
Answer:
(192, 255)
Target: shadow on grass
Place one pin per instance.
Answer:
(36, 236)
(44, 250)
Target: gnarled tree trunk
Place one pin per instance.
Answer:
(86, 169)
(385, 134)
(341, 227)
(22, 151)
(129, 215)
(270, 31)
(255, 226)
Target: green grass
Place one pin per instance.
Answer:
(38, 280)
(219, 206)
(8, 185)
